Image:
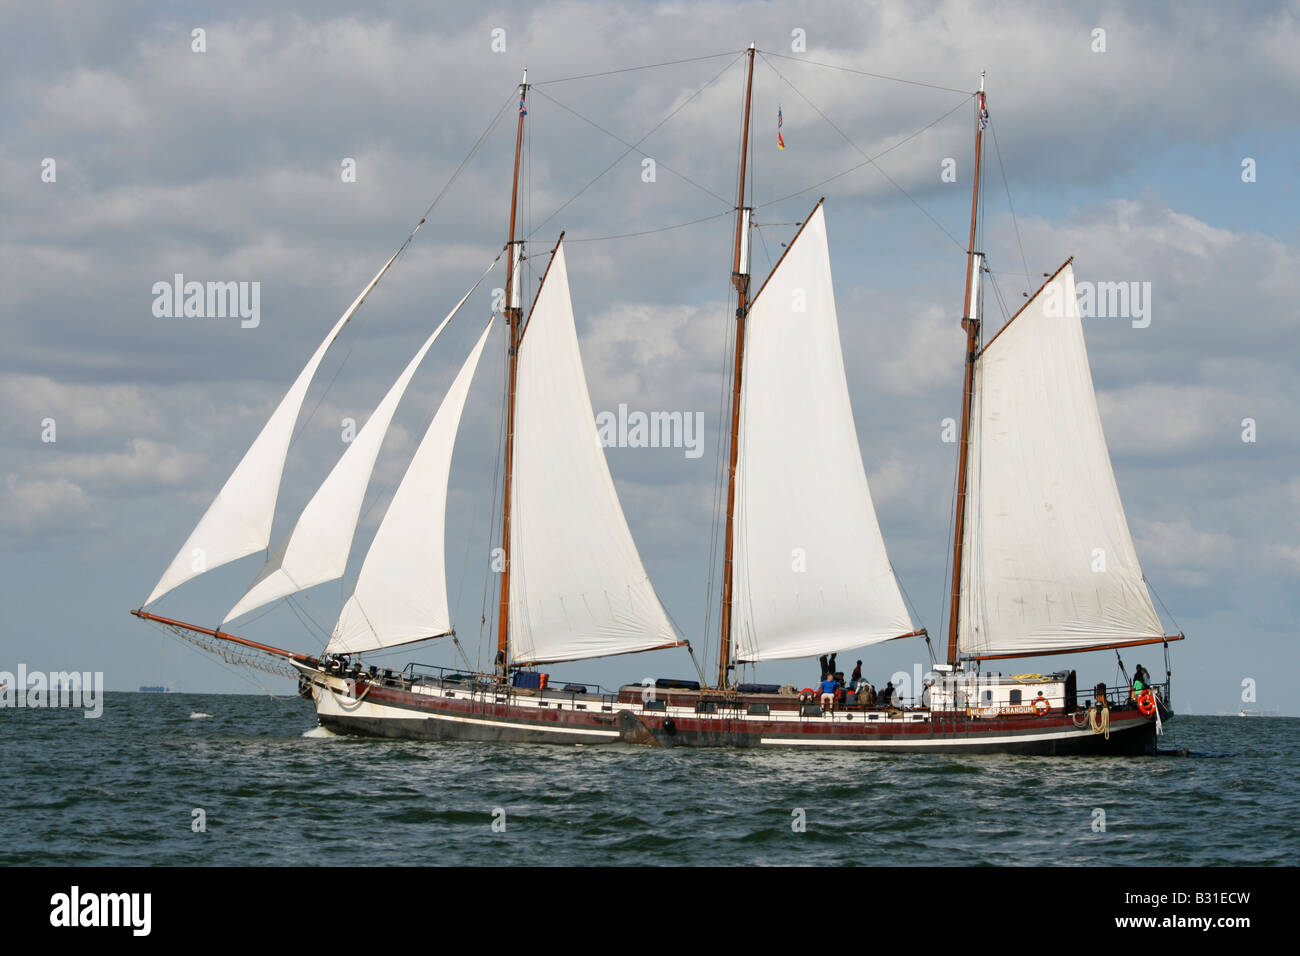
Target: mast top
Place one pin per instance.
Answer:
(751, 46)
(524, 81)
(981, 79)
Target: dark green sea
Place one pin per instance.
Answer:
(122, 790)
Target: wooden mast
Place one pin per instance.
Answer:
(971, 323)
(740, 278)
(514, 320)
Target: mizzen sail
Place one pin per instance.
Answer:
(811, 574)
(1050, 564)
(578, 588)
(401, 592)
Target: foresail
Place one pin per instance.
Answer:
(578, 588)
(401, 592)
(1049, 562)
(811, 574)
(238, 522)
(316, 550)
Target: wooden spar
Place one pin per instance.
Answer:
(266, 648)
(514, 315)
(1080, 650)
(971, 323)
(740, 277)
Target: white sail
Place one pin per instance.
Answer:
(1048, 562)
(578, 588)
(810, 571)
(238, 522)
(316, 549)
(401, 592)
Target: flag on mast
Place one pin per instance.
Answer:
(780, 140)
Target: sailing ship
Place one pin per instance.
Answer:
(1037, 509)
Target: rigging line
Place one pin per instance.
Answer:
(686, 102)
(473, 524)
(877, 76)
(869, 159)
(1151, 588)
(632, 235)
(763, 239)
(1014, 222)
(212, 658)
(632, 146)
(503, 387)
(303, 427)
(907, 597)
(633, 69)
(302, 612)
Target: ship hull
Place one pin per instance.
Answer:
(488, 713)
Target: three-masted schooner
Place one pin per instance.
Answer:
(1036, 504)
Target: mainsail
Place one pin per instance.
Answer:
(578, 588)
(238, 522)
(316, 550)
(811, 574)
(1050, 564)
(401, 592)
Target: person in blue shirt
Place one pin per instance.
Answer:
(829, 686)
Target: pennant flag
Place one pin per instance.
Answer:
(522, 111)
(984, 113)
(780, 140)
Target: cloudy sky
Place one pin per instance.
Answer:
(1163, 150)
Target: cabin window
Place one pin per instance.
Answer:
(1015, 697)
(656, 705)
(988, 697)
(759, 710)
(706, 707)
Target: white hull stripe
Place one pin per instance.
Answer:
(964, 740)
(380, 712)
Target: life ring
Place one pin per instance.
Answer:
(670, 726)
(1041, 706)
(1146, 702)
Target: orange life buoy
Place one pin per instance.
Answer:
(1041, 706)
(1146, 702)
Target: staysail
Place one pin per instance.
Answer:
(401, 592)
(578, 588)
(810, 571)
(316, 550)
(1050, 564)
(238, 522)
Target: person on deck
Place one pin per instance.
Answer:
(887, 695)
(829, 686)
(857, 674)
(826, 667)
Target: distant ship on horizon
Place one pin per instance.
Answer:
(154, 689)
